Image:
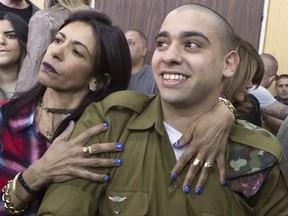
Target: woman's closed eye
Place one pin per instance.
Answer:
(77, 53)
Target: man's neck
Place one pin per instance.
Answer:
(182, 118)
(137, 67)
(21, 4)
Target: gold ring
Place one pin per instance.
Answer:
(209, 166)
(197, 163)
(87, 151)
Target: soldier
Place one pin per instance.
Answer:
(194, 55)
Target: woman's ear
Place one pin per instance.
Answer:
(232, 60)
(93, 85)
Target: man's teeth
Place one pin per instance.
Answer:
(174, 76)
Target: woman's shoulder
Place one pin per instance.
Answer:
(52, 15)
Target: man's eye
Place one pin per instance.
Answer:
(161, 44)
(131, 43)
(192, 45)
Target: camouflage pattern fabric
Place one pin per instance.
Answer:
(248, 166)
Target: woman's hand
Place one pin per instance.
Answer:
(65, 160)
(207, 138)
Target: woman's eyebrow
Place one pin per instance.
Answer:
(76, 42)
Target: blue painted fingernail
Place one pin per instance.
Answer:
(198, 190)
(224, 182)
(187, 189)
(105, 124)
(105, 178)
(118, 162)
(119, 146)
(176, 143)
(173, 176)
(70, 122)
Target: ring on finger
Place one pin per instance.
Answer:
(87, 151)
(197, 163)
(209, 166)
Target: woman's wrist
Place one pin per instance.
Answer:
(16, 192)
(34, 177)
(229, 105)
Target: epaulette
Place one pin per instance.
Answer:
(253, 152)
(127, 99)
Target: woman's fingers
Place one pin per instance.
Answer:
(66, 160)
(66, 133)
(106, 147)
(182, 161)
(89, 133)
(221, 167)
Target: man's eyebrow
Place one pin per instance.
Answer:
(184, 34)
(76, 42)
(162, 34)
(194, 33)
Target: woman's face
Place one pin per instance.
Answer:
(68, 63)
(10, 49)
(240, 95)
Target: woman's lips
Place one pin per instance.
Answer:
(49, 67)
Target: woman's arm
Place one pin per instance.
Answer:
(207, 138)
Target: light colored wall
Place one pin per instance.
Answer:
(39, 3)
(276, 35)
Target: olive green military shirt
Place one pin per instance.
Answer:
(142, 184)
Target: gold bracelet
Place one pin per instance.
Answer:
(7, 201)
(14, 189)
(229, 105)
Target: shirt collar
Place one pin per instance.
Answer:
(23, 119)
(148, 108)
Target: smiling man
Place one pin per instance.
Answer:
(194, 55)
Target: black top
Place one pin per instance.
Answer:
(25, 13)
(255, 115)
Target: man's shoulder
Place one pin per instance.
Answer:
(253, 152)
(254, 136)
(126, 99)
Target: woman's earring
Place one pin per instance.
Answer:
(93, 86)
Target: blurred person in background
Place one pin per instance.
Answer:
(13, 39)
(23, 8)
(282, 89)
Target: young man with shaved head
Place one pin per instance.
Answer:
(141, 76)
(194, 55)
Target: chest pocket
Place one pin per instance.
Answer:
(124, 202)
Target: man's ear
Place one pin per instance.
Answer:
(232, 60)
(144, 51)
